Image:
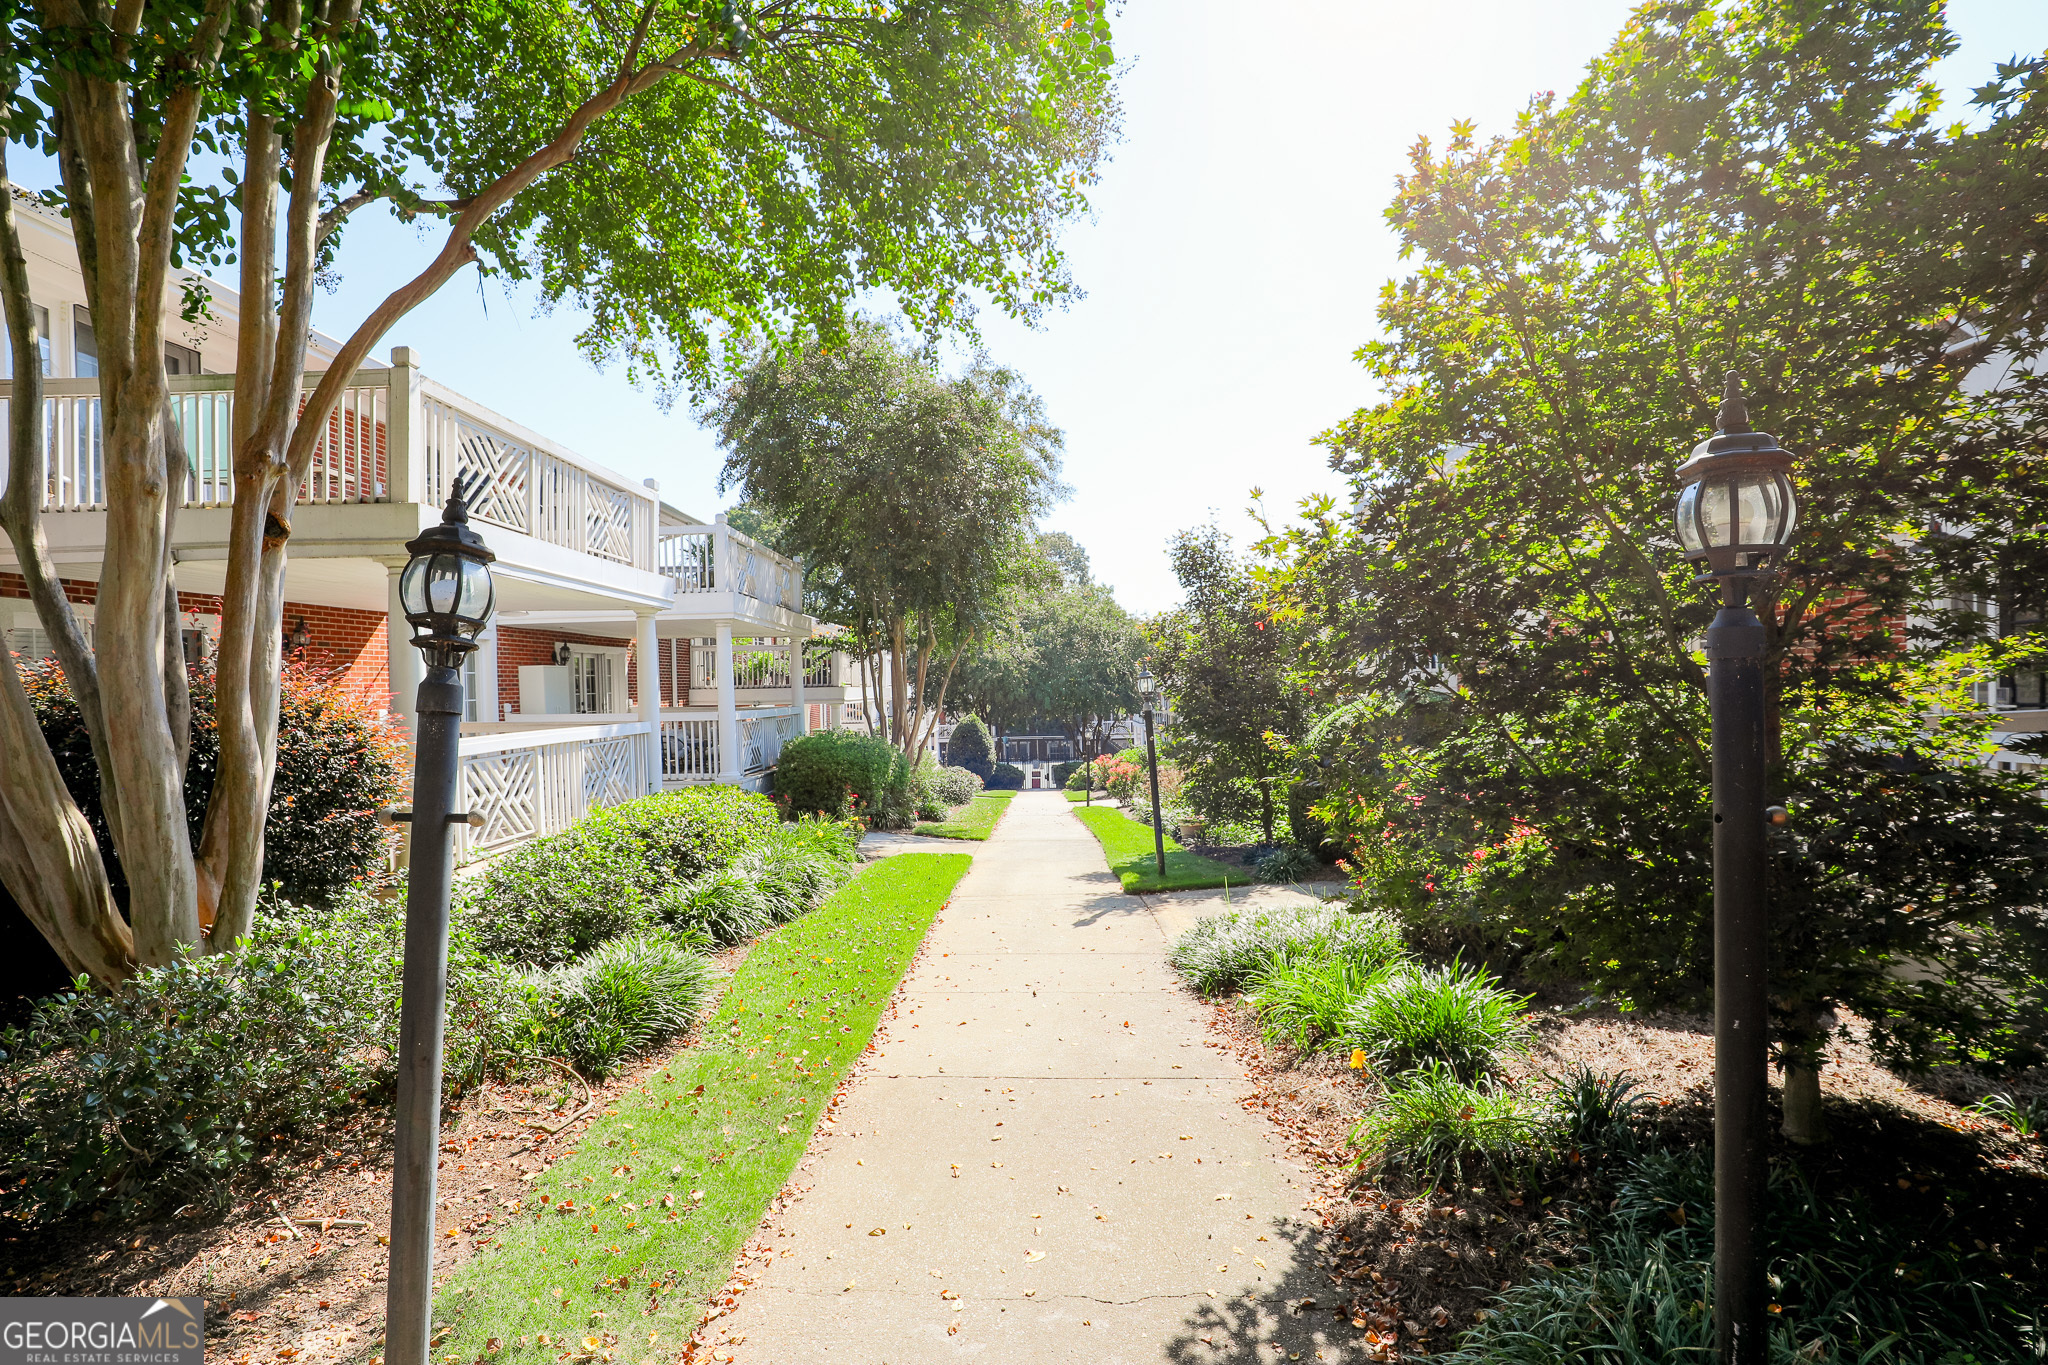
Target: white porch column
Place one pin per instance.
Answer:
(796, 682)
(647, 671)
(487, 675)
(728, 706)
(403, 659)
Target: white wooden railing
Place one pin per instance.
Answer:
(767, 665)
(394, 436)
(540, 781)
(763, 732)
(716, 558)
(689, 748)
(692, 751)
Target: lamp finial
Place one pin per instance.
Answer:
(460, 494)
(1733, 416)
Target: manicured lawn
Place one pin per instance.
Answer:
(1076, 797)
(975, 820)
(1128, 847)
(642, 1220)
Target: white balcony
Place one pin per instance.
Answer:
(396, 440)
(721, 574)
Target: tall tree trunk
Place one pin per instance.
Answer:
(131, 262)
(899, 717)
(49, 861)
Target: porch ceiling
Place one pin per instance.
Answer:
(363, 584)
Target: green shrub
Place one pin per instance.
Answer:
(1852, 1285)
(971, 747)
(1063, 773)
(1306, 830)
(1082, 774)
(620, 1000)
(124, 1105)
(1287, 865)
(840, 774)
(955, 786)
(1307, 1000)
(1226, 951)
(338, 760)
(1007, 777)
(1438, 1129)
(1455, 1015)
(558, 897)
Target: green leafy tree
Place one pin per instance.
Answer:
(1065, 654)
(698, 177)
(1224, 659)
(1500, 629)
(914, 491)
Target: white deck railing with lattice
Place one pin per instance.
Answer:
(540, 781)
(395, 436)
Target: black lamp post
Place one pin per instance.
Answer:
(1148, 690)
(447, 595)
(1735, 516)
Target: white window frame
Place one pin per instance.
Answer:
(598, 674)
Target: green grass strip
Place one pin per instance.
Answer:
(1128, 847)
(975, 820)
(1076, 797)
(671, 1181)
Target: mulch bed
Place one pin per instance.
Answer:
(1411, 1268)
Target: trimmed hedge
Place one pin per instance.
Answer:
(972, 748)
(1007, 777)
(839, 774)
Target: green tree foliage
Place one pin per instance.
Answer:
(1500, 627)
(1065, 654)
(701, 178)
(1223, 658)
(914, 491)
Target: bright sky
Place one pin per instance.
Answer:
(1231, 267)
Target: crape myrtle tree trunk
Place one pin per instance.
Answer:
(702, 179)
(915, 490)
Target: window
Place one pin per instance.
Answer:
(469, 695)
(592, 683)
(180, 359)
(85, 346)
(42, 343)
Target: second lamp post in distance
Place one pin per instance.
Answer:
(1148, 692)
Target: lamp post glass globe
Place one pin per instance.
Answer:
(446, 588)
(1737, 509)
(1148, 689)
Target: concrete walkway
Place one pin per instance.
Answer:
(1044, 1162)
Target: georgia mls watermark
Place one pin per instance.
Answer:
(138, 1331)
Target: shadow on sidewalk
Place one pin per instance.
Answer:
(1300, 1314)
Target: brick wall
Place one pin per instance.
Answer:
(349, 640)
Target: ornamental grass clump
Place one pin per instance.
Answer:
(1439, 1129)
(1850, 1283)
(1307, 1000)
(1454, 1015)
(1228, 951)
(620, 1000)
